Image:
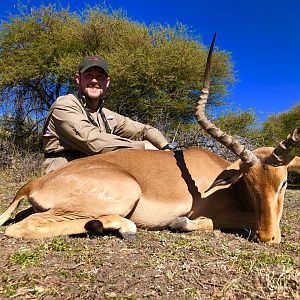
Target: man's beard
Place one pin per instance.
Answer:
(91, 97)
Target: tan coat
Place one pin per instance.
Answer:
(68, 127)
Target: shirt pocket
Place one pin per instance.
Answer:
(112, 122)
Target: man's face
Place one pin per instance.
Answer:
(93, 83)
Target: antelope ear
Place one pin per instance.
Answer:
(294, 164)
(230, 175)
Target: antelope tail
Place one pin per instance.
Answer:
(22, 193)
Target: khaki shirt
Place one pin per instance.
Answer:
(68, 127)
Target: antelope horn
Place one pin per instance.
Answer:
(279, 153)
(233, 145)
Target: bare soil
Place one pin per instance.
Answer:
(159, 265)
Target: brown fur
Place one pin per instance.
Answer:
(156, 190)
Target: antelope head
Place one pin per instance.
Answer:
(262, 172)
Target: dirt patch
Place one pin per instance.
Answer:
(159, 265)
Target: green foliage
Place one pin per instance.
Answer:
(279, 126)
(156, 74)
(56, 244)
(237, 123)
(25, 258)
(276, 129)
(23, 132)
(156, 71)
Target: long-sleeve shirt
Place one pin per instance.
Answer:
(68, 127)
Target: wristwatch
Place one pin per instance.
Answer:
(171, 146)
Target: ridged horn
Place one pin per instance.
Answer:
(277, 158)
(233, 145)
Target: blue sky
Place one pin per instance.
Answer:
(262, 35)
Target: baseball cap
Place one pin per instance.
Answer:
(93, 61)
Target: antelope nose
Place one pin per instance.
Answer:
(266, 237)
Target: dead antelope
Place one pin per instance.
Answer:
(185, 190)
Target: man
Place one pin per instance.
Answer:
(78, 125)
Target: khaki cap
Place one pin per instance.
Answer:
(93, 61)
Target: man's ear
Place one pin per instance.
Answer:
(77, 78)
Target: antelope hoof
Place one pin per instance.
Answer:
(129, 236)
(179, 224)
